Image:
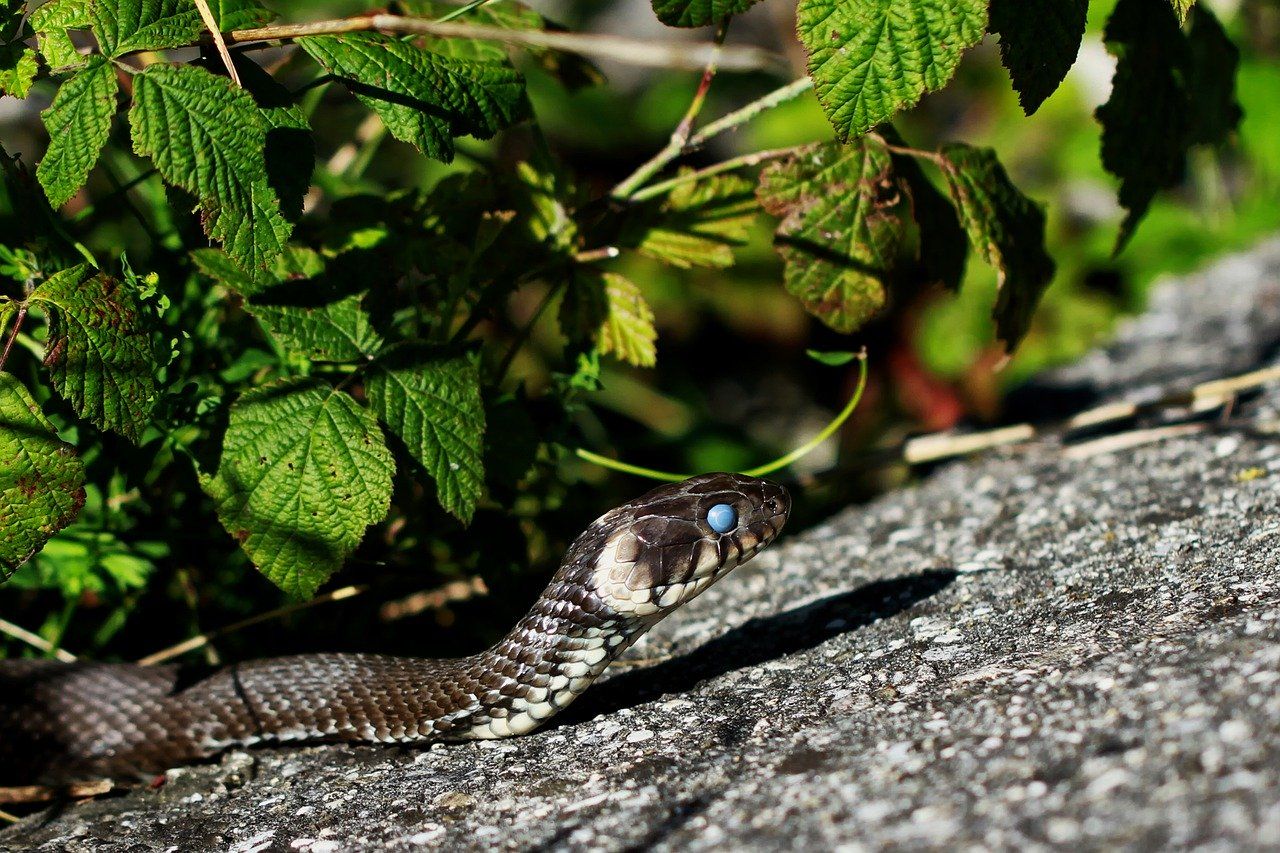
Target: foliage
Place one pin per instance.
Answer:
(342, 369)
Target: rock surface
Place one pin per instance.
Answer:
(1026, 650)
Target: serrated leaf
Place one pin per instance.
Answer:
(124, 26)
(209, 137)
(41, 478)
(1004, 227)
(424, 98)
(1212, 62)
(78, 121)
(1039, 42)
(1182, 8)
(51, 22)
(100, 352)
(700, 223)
(332, 331)
(870, 58)
(304, 471)
(844, 227)
(239, 14)
(1145, 122)
(698, 13)
(610, 311)
(433, 404)
(18, 67)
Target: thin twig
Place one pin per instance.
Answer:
(743, 162)
(680, 136)
(8, 818)
(918, 153)
(632, 51)
(629, 189)
(35, 641)
(45, 794)
(211, 24)
(204, 639)
(590, 256)
(739, 117)
(13, 335)
(462, 10)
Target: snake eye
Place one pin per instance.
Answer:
(722, 518)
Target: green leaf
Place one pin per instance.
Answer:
(125, 26)
(41, 478)
(424, 98)
(239, 14)
(700, 222)
(328, 331)
(610, 312)
(698, 13)
(304, 471)
(1039, 42)
(51, 23)
(78, 121)
(1006, 228)
(944, 248)
(870, 58)
(100, 351)
(1212, 62)
(1182, 8)
(18, 67)
(844, 228)
(1146, 123)
(209, 137)
(433, 404)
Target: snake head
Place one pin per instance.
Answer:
(665, 547)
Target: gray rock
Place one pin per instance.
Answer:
(1024, 651)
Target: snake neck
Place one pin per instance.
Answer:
(548, 659)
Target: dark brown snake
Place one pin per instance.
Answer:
(63, 722)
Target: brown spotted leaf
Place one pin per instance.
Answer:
(844, 229)
(100, 351)
(41, 478)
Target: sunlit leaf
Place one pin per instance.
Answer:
(78, 122)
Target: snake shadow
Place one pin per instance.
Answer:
(760, 640)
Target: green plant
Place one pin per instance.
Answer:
(305, 345)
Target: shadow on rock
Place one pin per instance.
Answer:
(760, 640)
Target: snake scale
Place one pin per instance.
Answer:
(62, 722)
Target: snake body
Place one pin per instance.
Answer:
(635, 564)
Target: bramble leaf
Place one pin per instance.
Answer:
(1004, 227)
(870, 58)
(1039, 42)
(1171, 90)
(304, 471)
(700, 222)
(698, 13)
(41, 478)
(610, 311)
(209, 138)
(78, 121)
(1182, 8)
(424, 98)
(433, 404)
(844, 227)
(51, 22)
(18, 67)
(123, 26)
(100, 351)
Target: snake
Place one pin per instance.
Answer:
(62, 722)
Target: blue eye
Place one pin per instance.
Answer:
(722, 518)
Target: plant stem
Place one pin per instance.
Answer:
(633, 51)
(759, 471)
(525, 331)
(742, 162)
(211, 24)
(35, 641)
(462, 10)
(13, 335)
(629, 189)
(680, 136)
(742, 116)
(932, 156)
